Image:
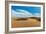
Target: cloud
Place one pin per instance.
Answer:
(21, 13)
(37, 14)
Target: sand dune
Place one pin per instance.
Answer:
(25, 23)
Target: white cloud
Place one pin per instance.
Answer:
(21, 13)
(37, 14)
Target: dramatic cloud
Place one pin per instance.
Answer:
(21, 13)
(37, 14)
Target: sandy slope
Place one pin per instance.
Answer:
(25, 23)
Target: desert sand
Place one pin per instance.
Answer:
(25, 23)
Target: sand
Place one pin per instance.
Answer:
(25, 23)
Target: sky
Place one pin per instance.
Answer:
(29, 9)
(24, 11)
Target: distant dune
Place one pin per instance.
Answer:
(26, 22)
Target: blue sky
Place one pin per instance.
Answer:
(28, 11)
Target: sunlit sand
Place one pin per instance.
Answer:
(27, 22)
